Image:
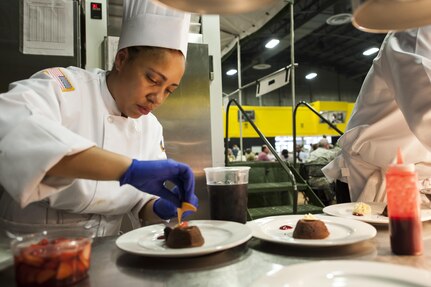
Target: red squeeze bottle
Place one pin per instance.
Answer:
(405, 226)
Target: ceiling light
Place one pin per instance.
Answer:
(370, 51)
(311, 76)
(231, 72)
(261, 66)
(272, 43)
(219, 6)
(380, 16)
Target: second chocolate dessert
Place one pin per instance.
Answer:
(310, 228)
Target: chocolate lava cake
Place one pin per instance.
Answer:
(183, 237)
(310, 229)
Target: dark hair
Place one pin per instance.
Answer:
(155, 52)
(134, 51)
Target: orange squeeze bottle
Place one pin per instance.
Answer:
(402, 192)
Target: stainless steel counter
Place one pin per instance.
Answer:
(239, 266)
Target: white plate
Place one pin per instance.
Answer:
(345, 210)
(218, 236)
(345, 273)
(341, 231)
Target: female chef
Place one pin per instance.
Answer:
(68, 136)
(393, 110)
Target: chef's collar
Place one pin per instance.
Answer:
(110, 103)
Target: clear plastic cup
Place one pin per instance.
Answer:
(52, 258)
(227, 189)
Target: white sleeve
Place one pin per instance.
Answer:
(112, 199)
(133, 214)
(408, 66)
(32, 139)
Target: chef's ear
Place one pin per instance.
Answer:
(121, 59)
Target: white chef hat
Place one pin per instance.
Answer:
(150, 23)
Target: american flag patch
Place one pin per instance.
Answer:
(61, 79)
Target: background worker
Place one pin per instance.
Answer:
(393, 110)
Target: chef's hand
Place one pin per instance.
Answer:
(167, 210)
(150, 177)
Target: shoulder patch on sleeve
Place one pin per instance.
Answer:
(61, 79)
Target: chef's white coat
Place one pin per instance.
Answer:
(393, 110)
(60, 112)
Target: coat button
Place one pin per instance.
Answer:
(110, 120)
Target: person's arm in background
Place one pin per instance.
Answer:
(408, 64)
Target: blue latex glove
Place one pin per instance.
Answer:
(167, 210)
(150, 177)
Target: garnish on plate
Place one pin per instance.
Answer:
(285, 227)
(361, 209)
(185, 206)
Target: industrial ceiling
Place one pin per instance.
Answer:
(324, 38)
